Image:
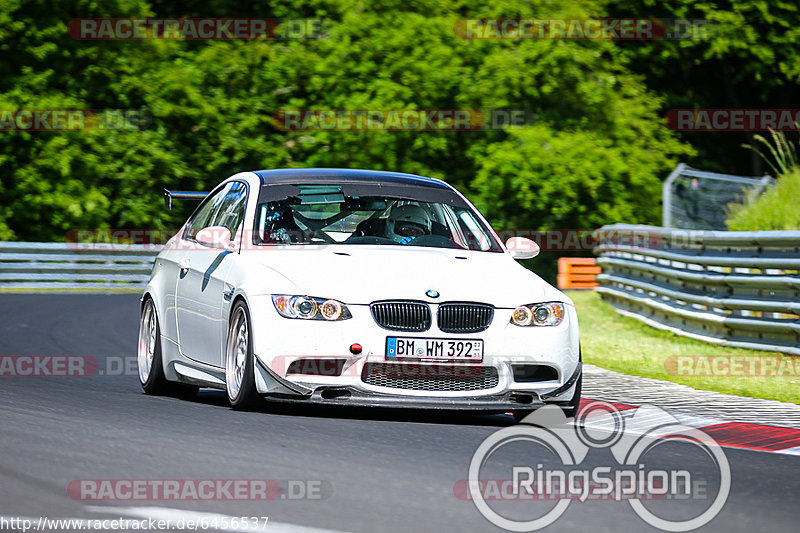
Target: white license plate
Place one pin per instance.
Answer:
(421, 348)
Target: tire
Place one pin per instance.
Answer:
(151, 371)
(151, 374)
(239, 361)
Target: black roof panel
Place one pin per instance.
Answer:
(324, 175)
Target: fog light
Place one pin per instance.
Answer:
(355, 348)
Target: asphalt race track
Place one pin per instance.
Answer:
(376, 470)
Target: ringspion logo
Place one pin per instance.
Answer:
(541, 466)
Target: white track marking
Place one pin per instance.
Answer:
(791, 451)
(696, 421)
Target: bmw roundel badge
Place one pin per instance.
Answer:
(432, 293)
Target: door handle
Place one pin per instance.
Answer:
(185, 263)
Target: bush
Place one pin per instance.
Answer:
(590, 155)
(775, 209)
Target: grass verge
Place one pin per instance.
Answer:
(610, 340)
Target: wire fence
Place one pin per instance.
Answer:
(695, 199)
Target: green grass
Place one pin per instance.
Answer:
(615, 342)
(775, 209)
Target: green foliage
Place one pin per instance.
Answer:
(784, 153)
(594, 155)
(775, 209)
(748, 58)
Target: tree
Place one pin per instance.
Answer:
(745, 56)
(593, 154)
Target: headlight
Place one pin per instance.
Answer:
(546, 314)
(308, 308)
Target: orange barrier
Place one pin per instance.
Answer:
(577, 273)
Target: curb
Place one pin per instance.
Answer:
(742, 435)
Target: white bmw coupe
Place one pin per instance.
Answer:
(354, 287)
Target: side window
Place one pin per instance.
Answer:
(225, 208)
(201, 217)
(230, 212)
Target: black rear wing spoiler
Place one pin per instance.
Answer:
(181, 195)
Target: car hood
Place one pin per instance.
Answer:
(361, 274)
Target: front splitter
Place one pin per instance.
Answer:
(351, 396)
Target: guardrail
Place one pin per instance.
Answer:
(37, 265)
(735, 288)
(732, 288)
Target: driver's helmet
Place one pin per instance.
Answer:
(408, 222)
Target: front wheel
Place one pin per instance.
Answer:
(239, 360)
(151, 370)
(151, 375)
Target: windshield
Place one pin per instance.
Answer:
(315, 214)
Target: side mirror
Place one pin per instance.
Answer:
(522, 248)
(215, 237)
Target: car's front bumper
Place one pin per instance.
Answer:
(279, 342)
(357, 396)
